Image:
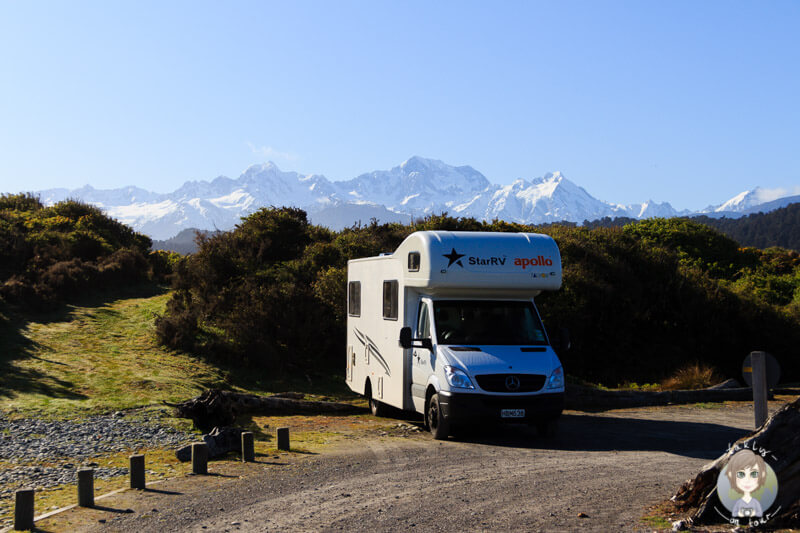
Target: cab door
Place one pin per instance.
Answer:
(423, 361)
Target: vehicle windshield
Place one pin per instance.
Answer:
(487, 322)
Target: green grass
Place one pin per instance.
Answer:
(103, 356)
(97, 358)
(657, 522)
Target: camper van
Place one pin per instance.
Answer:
(446, 326)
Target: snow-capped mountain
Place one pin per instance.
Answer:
(751, 201)
(415, 188)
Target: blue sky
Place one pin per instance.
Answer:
(686, 102)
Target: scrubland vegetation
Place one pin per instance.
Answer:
(641, 301)
(55, 254)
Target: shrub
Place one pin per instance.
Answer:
(54, 254)
(20, 202)
(692, 376)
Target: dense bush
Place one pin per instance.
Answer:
(639, 309)
(54, 254)
(780, 227)
(640, 301)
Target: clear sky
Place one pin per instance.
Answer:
(687, 102)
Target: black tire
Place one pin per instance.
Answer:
(375, 407)
(438, 425)
(378, 408)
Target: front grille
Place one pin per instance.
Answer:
(500, 382)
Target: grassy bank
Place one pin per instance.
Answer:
(96, 358)
(102, 356)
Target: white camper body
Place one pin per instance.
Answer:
(479, 350)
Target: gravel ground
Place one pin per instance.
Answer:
(47, 453)
(601, 473)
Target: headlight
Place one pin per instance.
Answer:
(457, 378)
(556, 379)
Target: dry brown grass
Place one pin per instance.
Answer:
(692, 376)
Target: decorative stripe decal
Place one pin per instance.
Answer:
(373, 350)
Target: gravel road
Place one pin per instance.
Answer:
(601, 472)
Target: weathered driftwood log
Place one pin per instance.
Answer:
(220, 408)
(585, 398)
(779, 438)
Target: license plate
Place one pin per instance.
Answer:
(512, 413)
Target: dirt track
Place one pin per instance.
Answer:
(610, 467)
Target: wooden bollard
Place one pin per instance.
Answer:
(283, 439)
(23, 510)
(248, 447)
(86, 487)
(758, 361)
(137, 471)
(199, 458)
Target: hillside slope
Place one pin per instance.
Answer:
(780, 227)
(96, 357)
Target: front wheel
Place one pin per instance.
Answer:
(547, 430)
(439, 426)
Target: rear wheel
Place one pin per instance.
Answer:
(375, 407)
(440, 428)
(378, 408)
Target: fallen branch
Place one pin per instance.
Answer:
(586, 398)
(218, 408)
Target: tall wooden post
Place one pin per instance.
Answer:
(758, 362)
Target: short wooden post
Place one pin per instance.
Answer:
(758, 362)
(199, 458)
(23, 510)
(86, 487)
(283, 439)
(137, 471)
(248, 447)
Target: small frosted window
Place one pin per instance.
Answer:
(413, 261)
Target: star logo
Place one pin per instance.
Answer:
(454, 257)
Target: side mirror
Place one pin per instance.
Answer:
(405, 338)
(407, 342)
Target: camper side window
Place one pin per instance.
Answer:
(354, 298)
(390, 300)
(424, 324)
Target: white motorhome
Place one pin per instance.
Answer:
(446, 326)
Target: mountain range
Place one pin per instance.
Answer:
(415, 188)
